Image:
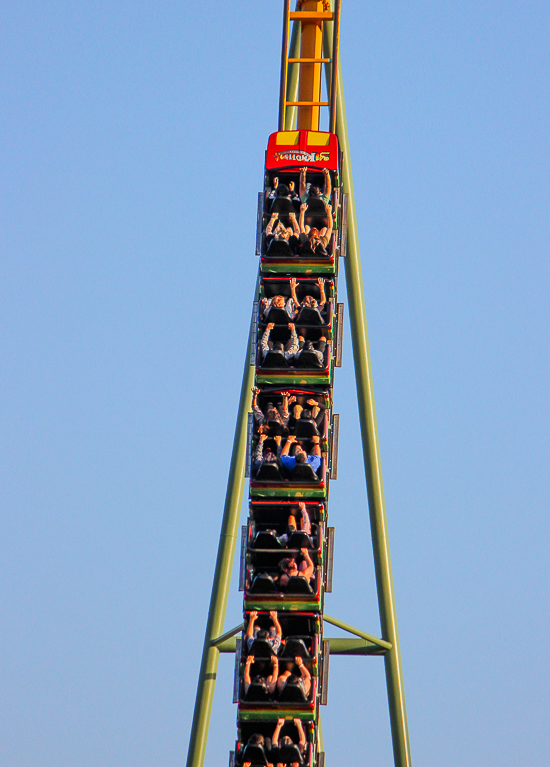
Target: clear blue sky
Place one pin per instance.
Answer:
(132, 141)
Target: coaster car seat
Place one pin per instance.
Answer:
(277, 315)
(253, 753)
(299, 540)
(263, 583)
(306, 428)
(293, 692)
(275, 359)
(279, 249)
(307, 359)
(268, 472)
(295, 647)
(297, 584)
(257, 692)
(288, 754)
(316, 207)
(303, 472)
(283, 205)
(260, 648)
(276, 428)
(266, 539)
(308, 315)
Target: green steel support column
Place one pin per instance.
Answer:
(292, 77)
(371, 452)
(222, 575)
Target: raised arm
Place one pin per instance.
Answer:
(285, 395)
(303, 172)
(276, 733)
(287, 400)
(292, 344)
(306, 523)
(302, 742)
(323, 298)
(272, 678)
(259, 454)
(303, 208)
(258, 415)
(314, 408)
(273, 192)
(295, 229)
(320, 408)
(289, 441)
(272, 220)
(327, 190)
(247, 680)
(274, 617)
(306, 676)
(293, 286)
(308, 572)
(251, 622)
(265, 337)
(328, 209)
(315, 450)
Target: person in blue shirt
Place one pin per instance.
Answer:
(300, 455)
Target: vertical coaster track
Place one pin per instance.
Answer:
(288, 444)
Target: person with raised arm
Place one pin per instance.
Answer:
(314, 415)
(266, 455)
(286, 740)
(254, 632)
(290, 568)
(269, 682)
(287, 351)
(308, 303)
(309, 346)
(282, 240)
(305, 524)
(308, 192)
(300, 455)
(271, 412)
(303, 681)
(281, 195)
(312, 242)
